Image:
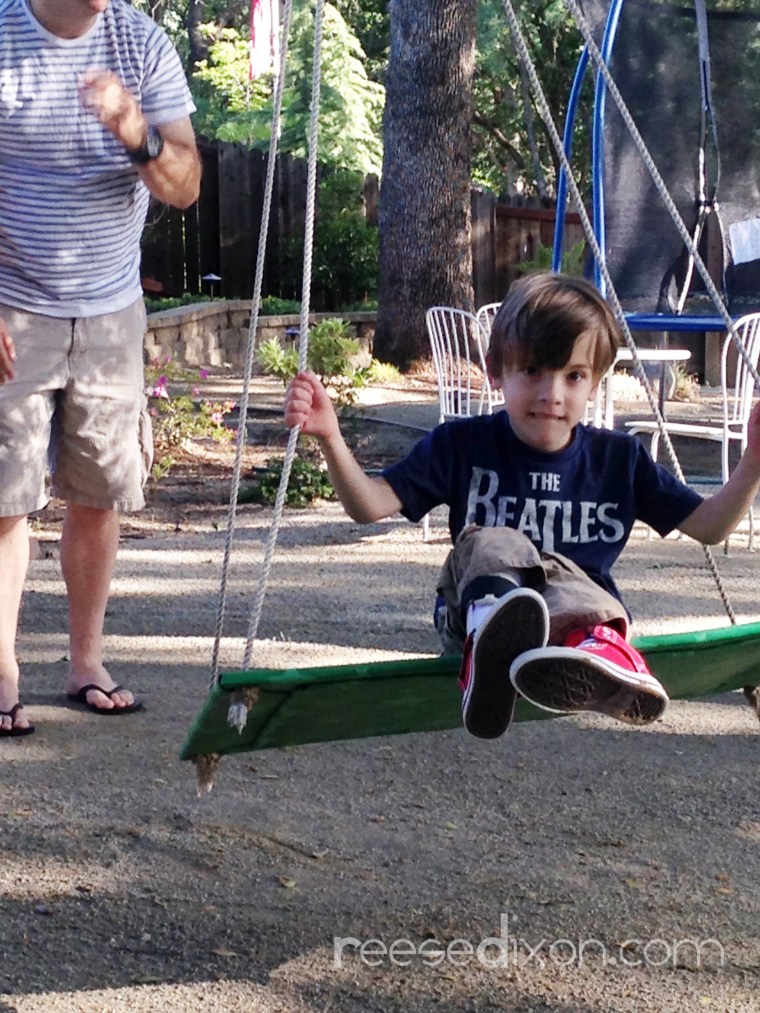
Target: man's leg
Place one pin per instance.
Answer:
(14, 559)
(88, 553)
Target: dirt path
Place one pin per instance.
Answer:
(123, 891)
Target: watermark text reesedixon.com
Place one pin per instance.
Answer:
(510, 950)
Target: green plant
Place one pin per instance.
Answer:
(154, 304)
(363, 306)
(572, 260)
(178, 417)
(330, 356)
(276, 360)
(382, 372)
(273, 306)
(308, 481)
(685, 384)
(345, 255)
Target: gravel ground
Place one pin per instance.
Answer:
(613, 870)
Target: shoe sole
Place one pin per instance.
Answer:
(519, 623)
(564, 683)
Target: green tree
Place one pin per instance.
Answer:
(370, 22)
(351, 105)
(345, 260)
(224, 94)
(187, 23)
(511, 146)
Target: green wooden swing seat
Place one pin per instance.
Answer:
(301, 705)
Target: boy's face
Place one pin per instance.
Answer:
(545, 405)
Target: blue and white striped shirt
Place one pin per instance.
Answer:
(72, 206)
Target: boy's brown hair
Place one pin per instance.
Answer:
(542, 317)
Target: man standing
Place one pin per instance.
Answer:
(94, 119)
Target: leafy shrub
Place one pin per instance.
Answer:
(276, 360)
(272, 305)
(309, 481)
(345, 253)
(363, 306)
(685, 384)
(330, 356)
(382, 372)
(176, 416)
(573, 260)
(154, 304)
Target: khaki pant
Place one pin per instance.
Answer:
(77, 405)
(484, 555)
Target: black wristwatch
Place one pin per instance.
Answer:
(150, 148)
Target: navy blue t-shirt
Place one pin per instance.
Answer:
(581, 501)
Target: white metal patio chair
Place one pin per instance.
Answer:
(459, 344)
(485, 315)
(738, 387)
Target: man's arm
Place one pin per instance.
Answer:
(715, 518)
(175, 176)
(172, 178)
(7, 353)
(364, 499)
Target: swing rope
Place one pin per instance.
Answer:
(242, 430)
(611, 294)
(271, 542)
(303, 341)
(707, 204)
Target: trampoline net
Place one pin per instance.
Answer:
(656, 65)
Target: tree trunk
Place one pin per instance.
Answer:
(198, 45)
(424, 215)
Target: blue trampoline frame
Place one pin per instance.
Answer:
(636, 321)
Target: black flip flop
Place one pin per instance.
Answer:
(14, 733)
(81, 697)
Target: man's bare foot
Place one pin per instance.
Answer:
(96, 690)
(13, 719)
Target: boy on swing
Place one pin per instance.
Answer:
(540, 507)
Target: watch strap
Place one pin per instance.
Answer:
(150, 149)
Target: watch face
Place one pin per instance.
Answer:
(151, 148)
(154, 143)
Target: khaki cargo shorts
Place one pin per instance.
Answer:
(76, 406)
(572, 597)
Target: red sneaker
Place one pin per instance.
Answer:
(518, 621)
(595, 670)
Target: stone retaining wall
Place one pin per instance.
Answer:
(216, 333)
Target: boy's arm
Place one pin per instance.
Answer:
(715, 518)
(365, 499)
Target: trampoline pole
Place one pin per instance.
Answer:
(597, 156)
(567, 144)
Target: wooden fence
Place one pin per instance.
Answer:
(219, 234)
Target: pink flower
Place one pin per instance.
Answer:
(217, 417)
(203, 374)
(159, 389)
